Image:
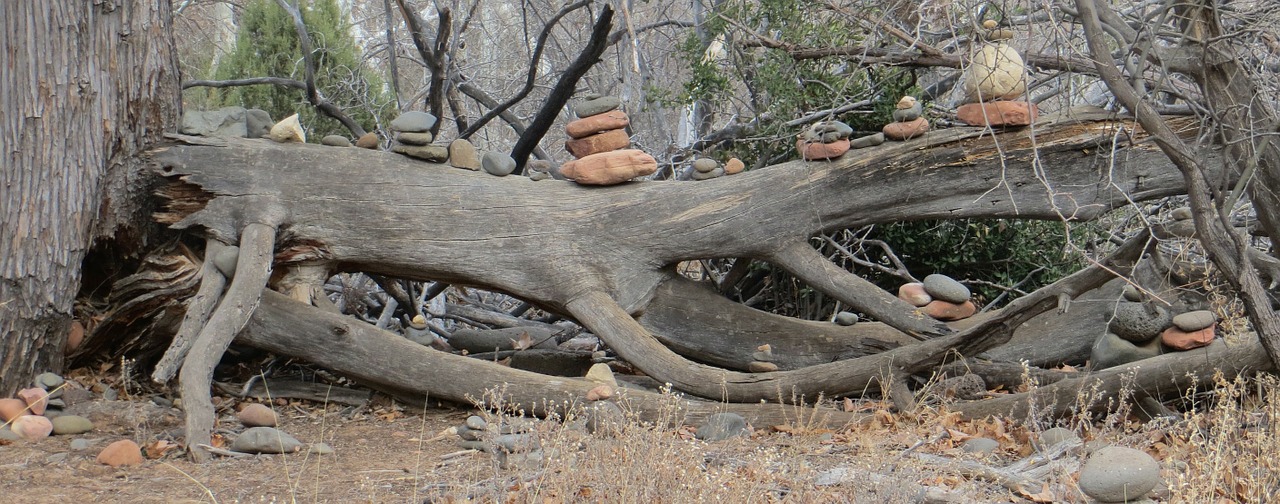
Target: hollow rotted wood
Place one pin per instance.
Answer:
(253, 268)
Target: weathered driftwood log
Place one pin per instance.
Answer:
(600, 255)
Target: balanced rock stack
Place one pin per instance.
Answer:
(908, 120)
(708, 168)
(413, 137)
(599, 141)
(824, 140)
(762, 360)
(36, 412)
(1138, 330)
(995, 84)
(940, 297)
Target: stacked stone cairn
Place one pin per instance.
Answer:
(413, 138)
(824, 140)
(708, 168)
(762, 360)
(36, 412)
(600, 144)
(995, 84)
(1138, 330)
(908, 120)
(940, 297)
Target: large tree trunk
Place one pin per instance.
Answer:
(85, 86)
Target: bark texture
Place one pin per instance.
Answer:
(85, 86)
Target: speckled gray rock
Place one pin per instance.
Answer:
(71, 424)
(967, 387)
(257, 123)
(721, 426)
(1111, 351)
(415, 138)
(946, 288)
(336, 141)
(1138, 322)
(413, 122)
(1057, 435)
(429, 153)
(845, 318)
(697, 175)
(474, 422)
(265, 440)
(497, 163)
(226, 259)
(605, 418)
(867, 141)
(705, 165)
(1195, 320)
(1119, 474)
(980, 445)
(599, 105)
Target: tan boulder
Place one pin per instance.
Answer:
(590, 125)
(608, 168)
(814, 151)
(31, 427)
(734, 165)
(915, 294)
(906, 130)
(368, 141)
(121, 453)
(1000, 113)
(600, 142)
(997, 72)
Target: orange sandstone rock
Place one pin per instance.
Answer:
(608, 168)
(948, 312)
(814, 151)
(597, 143)
(590, 125)
(906, 130)
(1178, 339)
(1000, 113)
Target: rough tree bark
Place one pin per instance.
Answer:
(85, 87)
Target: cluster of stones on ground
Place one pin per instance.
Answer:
(1140, 328)
(37, 412)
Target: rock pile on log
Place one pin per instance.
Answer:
(600, 144)
(995, 84)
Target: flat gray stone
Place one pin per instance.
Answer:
(335, 141)
(867, 141)
(721, 426)
(845, 318)
(409, 138)
(1195, 320)
(1119, 474)
(537, 175)
(946, 288)
(474, 422)
(705, 165)
(71, 424)
(1111, 351)
(472, 445)
(596, 106)
(48, 381)
(497, 163)
(468, 434)
(1057, 435)
(1138, 322)
(224, 122)
(257, 123)
(429, 153)
(413, 121)
(265, 440)
(1132, 294)
(697, 175)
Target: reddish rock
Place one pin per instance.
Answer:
(734, 165)
(36, 398)
(915, 294)
(120, 453)
(257, 415)
(12, 408)
(368, 141)
(998, 113)
(948, 312)
(814, 151)
(608, 168)
(601, 142)
(600, 393)
(31, 427)
(590, 125)
(1178, 339)
(906, 130)
(75, 336)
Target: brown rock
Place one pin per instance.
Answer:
(1178, 339)
(608, 168)
(590, 125)
(428, 153)
(996, 72)
(915, 294)
(761, 367)
(906, 130)
(368, 141)
(257, 415)
(734, 165)
(813, 151)
(415, 138)
(948, 312)
(121, 453)
(75, 337)
(12, 408)
(37, 399)
(600, 393)
(462, 154)
(600, 142)
(31, 427)
(1001, 113)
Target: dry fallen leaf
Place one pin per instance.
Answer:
(158, 449)
(1043, 496)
